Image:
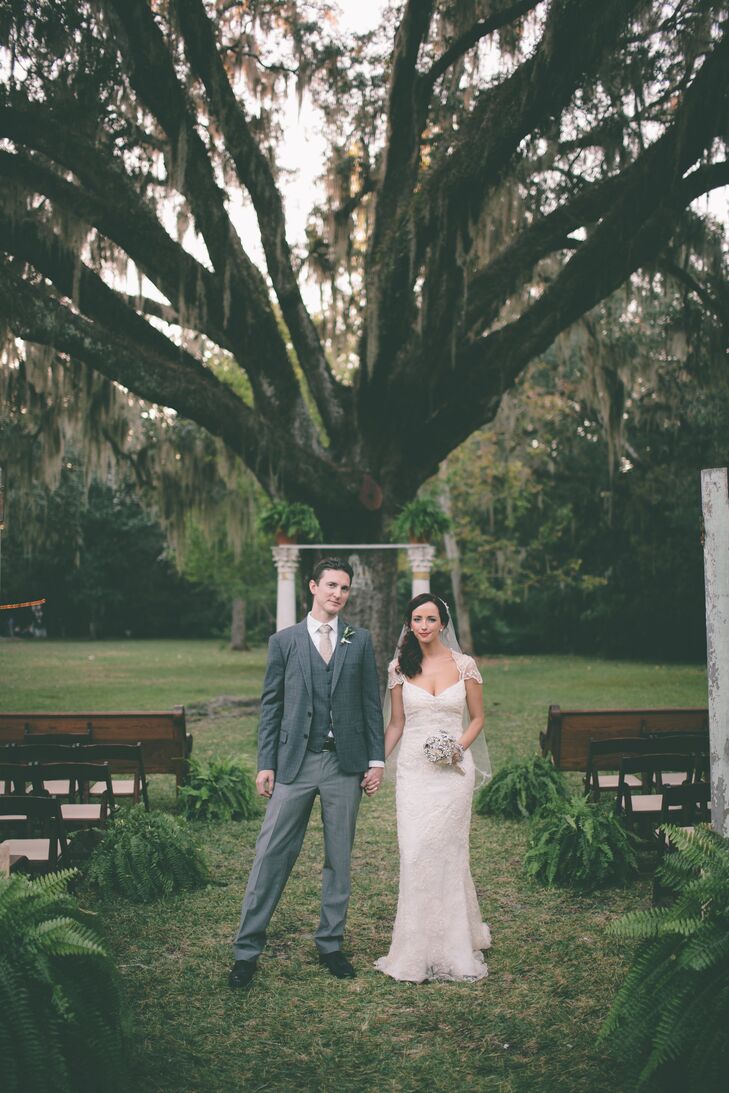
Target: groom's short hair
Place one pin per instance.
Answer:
(331, 563)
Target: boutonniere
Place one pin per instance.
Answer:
(347, 635)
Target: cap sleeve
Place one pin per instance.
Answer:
(467, 667)
(395, 678)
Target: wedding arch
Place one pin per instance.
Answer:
(286, 558)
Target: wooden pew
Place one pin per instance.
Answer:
(569, 732)
(165, 742)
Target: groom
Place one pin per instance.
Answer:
(320, 731)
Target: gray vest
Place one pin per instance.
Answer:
(321, 684)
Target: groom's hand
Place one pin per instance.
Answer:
(372, 780)
(265, 780)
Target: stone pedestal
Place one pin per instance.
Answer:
(286, 560)
(421, 557)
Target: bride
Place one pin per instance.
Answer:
(434, 688)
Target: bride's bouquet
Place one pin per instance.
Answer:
(445, 750)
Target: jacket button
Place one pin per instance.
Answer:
(306, 736)
(308, 713)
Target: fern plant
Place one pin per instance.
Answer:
(146, 855)
(521, 788)
(581, 845)
(672, 1011)
(222, 790)
(60, 1019)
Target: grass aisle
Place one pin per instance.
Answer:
(530, 1026)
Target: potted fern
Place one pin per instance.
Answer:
(60, 1013)
(289, 522)
(521, 788)
(420, 521)
(146, 855)
(222, 790)
(672, 1012)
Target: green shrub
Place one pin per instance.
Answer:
(222, 790)
(145, 855)
(521, 788)
(672, 1011)
(60, 1026)
(579, 844)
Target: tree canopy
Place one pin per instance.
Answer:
(496, 170)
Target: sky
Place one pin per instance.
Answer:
(304, 149)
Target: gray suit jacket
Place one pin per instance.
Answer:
(286, 707)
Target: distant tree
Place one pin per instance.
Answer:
(100, 561)
(243, 580)
(497, 168)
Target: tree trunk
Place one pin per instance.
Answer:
(238, 625)
(453, 553)
(373, 602)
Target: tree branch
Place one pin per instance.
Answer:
(255, 174)
(154, 79)
(473, 36)
(640, 222)
(109, 202)
(539, 90)
(31, 241)
(34, 315)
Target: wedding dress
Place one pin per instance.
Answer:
(438, 932)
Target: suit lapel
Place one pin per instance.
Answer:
(302, 641)
(340, 652)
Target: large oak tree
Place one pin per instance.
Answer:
(497, 169)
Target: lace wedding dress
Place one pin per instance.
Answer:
(438, 932)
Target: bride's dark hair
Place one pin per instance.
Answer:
(409, 654)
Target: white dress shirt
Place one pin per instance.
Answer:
(315, 635)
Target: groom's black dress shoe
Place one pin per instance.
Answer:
(241, 974)
(337, 964)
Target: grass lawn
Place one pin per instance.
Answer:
(530, 1026)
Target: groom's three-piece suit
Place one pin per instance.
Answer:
(320, 729)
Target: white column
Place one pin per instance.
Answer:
(421, 557)
(286, 560)
(715, 502)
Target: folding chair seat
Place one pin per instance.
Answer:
(121, 758)
(42, 853)
(648, 806)
(78, 811)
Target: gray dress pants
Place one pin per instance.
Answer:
(279, 843)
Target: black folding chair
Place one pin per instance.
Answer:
(42, 852)
(647, 807)
(686, 805)
(121, 758)
(603, 763)
(80, 776)
(42, 753)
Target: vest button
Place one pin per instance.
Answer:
(306, 736)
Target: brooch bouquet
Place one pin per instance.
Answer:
(347, 635)
(444, 750)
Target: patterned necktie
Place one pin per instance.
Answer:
(325, 642)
